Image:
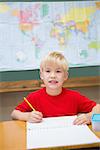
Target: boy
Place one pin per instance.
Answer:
(53, 100)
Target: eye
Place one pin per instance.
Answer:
(47, 71)
(58, 71)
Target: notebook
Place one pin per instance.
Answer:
(57, 132)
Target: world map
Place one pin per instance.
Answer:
(29, 30)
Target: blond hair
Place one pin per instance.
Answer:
(57, 58)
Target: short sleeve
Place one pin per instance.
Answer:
(23, 106)
(85, 104)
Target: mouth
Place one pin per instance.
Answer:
(53, 81)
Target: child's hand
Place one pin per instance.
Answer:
(83, 119)
(34, 117)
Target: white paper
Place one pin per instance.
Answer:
(58, 131)
(53, 122)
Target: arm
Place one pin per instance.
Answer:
(86, 118)
(34, 116)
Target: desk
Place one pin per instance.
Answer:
(13, 137)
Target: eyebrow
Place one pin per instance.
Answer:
(47, 68)
(59, 68)
(51, 68)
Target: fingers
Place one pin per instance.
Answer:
(81, 120)
(35, 117)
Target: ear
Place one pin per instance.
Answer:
(66, 75)
(41, 75)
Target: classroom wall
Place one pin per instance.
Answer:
(8, 101)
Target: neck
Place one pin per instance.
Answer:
(53, 92)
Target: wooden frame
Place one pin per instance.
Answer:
(31, 85)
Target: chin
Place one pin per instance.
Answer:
(53, 87)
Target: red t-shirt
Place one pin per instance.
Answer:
(69, 102)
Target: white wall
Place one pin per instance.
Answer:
(8, 101)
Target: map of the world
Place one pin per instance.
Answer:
(29, 30)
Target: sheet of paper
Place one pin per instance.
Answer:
(53, 122)
(53, 132)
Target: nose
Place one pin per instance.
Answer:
(52, 74)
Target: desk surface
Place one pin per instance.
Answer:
(13, 137)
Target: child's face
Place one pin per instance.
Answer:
(53, 76)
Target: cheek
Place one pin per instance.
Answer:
(45, 76)
(62, 78)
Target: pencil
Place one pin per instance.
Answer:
(29, 104)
